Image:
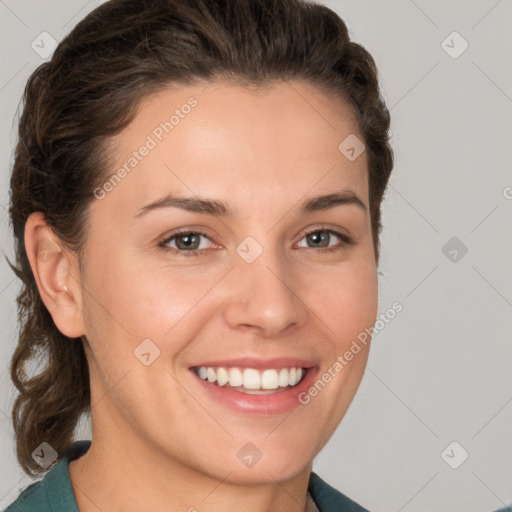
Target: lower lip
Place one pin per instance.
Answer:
(267, 405)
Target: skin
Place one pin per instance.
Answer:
(157, 438)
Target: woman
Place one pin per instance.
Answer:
(195, 200)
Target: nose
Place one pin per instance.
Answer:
(266, 297)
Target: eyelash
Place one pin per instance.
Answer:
(345, 240)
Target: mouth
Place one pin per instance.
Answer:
(252, 381)
(255, 387)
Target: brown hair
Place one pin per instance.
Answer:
(89, 90)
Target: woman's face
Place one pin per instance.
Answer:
(261, 283)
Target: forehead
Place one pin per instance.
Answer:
(224, 139)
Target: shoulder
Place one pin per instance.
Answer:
(328, 499)
(53, 493)
(32, 499)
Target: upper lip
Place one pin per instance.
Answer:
(257, 363)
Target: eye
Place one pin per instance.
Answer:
(188, 243)
(321, 238)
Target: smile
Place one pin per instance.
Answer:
(254, 385)
(251, 380)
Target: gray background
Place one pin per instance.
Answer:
(441, 370)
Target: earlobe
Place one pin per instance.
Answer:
(57, 276)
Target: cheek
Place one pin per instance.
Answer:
(167, 305)
(347, 301)
(132, 299)
(170, 300)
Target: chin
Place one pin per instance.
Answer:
(266, 473)
(275, 464)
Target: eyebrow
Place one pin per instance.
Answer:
(222, 209)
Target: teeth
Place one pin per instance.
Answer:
(235, 377)
(283, 377)
(252, 379)
(222, 376)
(211, 375)
(269, 379)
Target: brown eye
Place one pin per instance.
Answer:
(321, 238)
(187, 243)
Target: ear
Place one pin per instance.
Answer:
(57, 275)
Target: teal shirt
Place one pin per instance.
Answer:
(54, 492)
